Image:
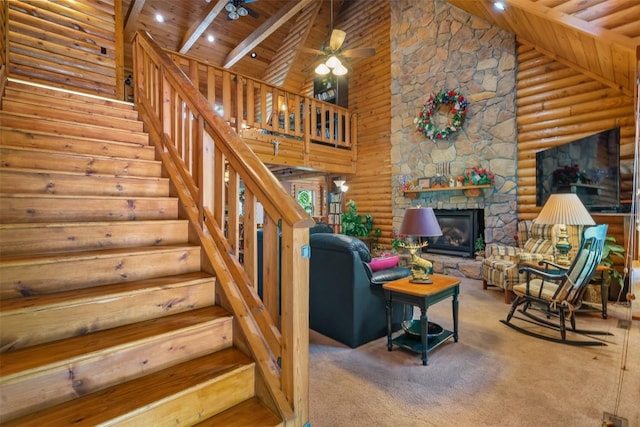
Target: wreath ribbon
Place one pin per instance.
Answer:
(457, 104)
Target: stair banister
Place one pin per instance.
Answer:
(194, 144)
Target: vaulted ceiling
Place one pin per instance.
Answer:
(601, 37)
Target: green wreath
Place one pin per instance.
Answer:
(457, 105)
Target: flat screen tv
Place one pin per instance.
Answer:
(588, 167)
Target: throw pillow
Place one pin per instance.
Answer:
(383, 263)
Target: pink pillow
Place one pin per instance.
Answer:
(382, 263)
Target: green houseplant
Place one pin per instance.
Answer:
(611, 250)
(354, 224)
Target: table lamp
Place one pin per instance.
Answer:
(564, 209)
(419, 222)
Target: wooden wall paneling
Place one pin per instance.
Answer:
(370, 99)
(4, 33)
(558, 104)
(70, 45)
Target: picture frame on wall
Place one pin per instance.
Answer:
(424, 182)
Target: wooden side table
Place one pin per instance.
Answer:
(423, 296)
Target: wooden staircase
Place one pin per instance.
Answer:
(106, 316)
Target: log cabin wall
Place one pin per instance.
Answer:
(434, 47)
(3, 32)
(558, 104)
(71, 45)
(367, 25)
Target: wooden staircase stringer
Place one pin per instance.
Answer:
(80, 287)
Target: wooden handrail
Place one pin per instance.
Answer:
(198, 148)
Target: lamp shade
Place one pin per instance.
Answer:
(564, 208)
(420, 222)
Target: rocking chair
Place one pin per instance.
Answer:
(557, 291)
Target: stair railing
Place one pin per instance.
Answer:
(206, 162)
(248, 104)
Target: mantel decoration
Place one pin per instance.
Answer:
(457, 113)
(477, 176)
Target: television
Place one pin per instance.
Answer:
(588, 167)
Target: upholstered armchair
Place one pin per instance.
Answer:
(536, 242)
(346, 299)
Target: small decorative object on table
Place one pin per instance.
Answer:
(419, 222)
(564, 209)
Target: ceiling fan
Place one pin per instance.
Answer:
(237, 8)
(332, 52)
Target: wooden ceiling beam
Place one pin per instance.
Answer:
(133, 15)
(265, 30)
(212, 10)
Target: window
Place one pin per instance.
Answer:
(305, 199)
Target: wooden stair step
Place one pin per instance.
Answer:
(54, 112)
(28, 138)
(140, 348)
(52, 97)
(63, 127)
(61, 182)
(29, 158)
(37, 275)
(35, 320)
(67, 94)
(38, 238)
(26, 208)
(183, 394)
(250, 413)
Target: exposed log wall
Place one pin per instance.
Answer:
(71, 45)
(367, 25)
(558, 104)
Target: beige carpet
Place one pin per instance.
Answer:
(493, 376)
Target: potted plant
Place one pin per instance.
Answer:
(611, 250)
(352, 222)
(479, 247)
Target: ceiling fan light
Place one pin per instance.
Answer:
(340, 70)
(233, 16)
(242, 11)
(322, 69)
(333, 62)
(230, 7)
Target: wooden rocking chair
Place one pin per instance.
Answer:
(557, 291)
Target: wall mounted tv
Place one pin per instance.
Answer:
(589, 167)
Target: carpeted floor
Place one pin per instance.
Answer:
(494, 376)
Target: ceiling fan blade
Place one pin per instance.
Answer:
(311, 51)
(252, 13)
(359, 52)
(337, 38)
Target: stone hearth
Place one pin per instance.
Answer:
(469, 268)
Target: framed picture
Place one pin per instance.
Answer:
(424, 182)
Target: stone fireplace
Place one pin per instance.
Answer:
(460, 229)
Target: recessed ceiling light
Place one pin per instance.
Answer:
(159, 18)
(210, 38)
(499, 5)
(254, 55)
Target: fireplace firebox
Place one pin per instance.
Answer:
(460, 229)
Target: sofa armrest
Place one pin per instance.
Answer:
(381, 277)
(496, 251)
(526, 257)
